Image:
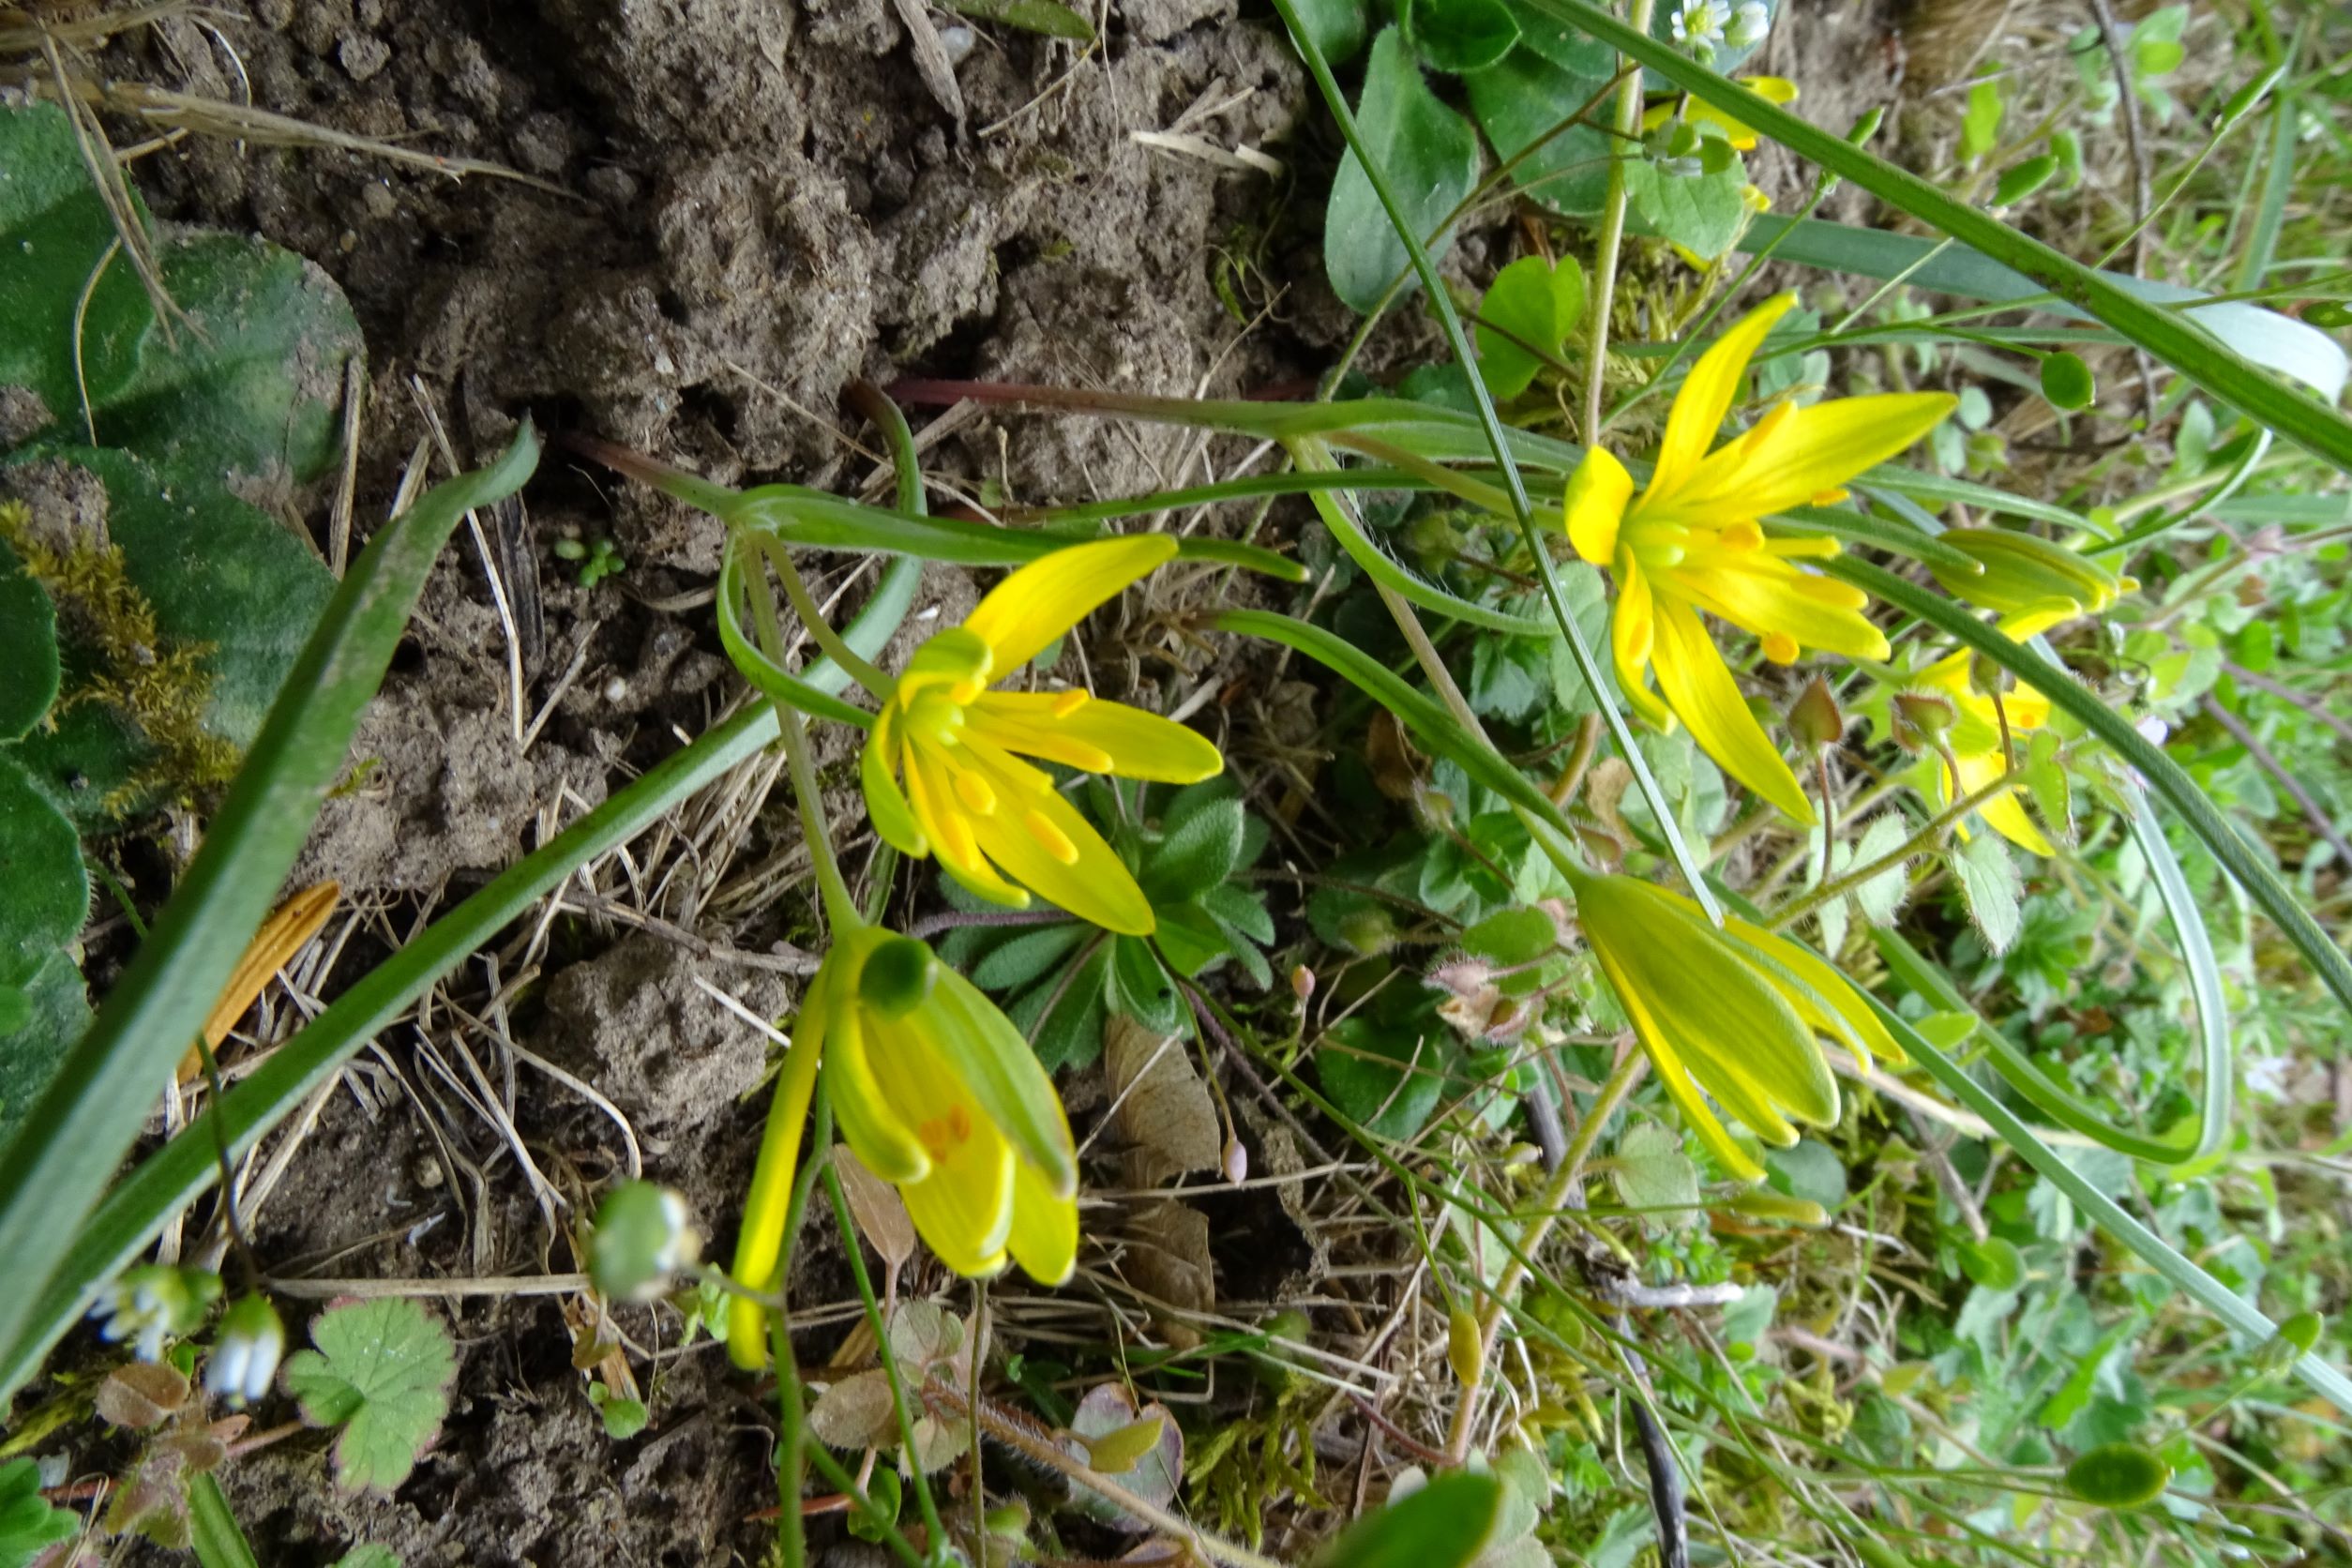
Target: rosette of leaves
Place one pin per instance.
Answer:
(1063, 979)
(1516, 75)
(154, 586)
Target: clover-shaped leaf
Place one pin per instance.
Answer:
(382, 1372)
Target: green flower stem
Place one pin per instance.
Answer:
(1548, 1206)
(1500, 442)
(791, 1429)
(805, 606)
(1605, 247)
(936, 1547)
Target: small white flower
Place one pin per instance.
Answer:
(152, 1304)
(245, 1357)
(1749, 25)
(1698, 25)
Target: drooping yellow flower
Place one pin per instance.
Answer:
(997, 824)
(1772, 89)
(1693, 541)
(1974, 740)
(1733, 1012)
(936, 1092)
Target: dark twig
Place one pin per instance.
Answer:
(2276, 770)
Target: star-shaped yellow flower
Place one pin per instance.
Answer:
(997, 824)
(1693, 541)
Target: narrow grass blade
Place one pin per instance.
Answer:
(2171, 335)
(69, 1145)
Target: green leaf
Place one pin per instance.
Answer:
(1198, 853)
(1980, 126)
(250, 385)
(47, 898)
(1388, 1077)
(1521, 103)
(1461, 34)
(1337, 26)
(2066, 380)
(1702, 213)
(1990, 887)
(2118, 1475)
(27, 1522)
(1014, 964)
(1993, 1263)
(1651, 1171)
(1423, 147)
(1063, 1015)
(219, 574)
(1446, 1524)
(382, 1372)
(1031, 16)
(1532, 304)
(28, 648)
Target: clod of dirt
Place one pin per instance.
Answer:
(634, 1022)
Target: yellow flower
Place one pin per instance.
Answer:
(1772, 89)
(998, 824)
(936, 1092)
(1692, 540)
(1974, 740)
(1733, 1012)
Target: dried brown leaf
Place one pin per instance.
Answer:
(1164, 1107)
(875, 1204)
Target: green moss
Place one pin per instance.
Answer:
(163, 691)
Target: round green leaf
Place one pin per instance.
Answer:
(2066, 380)
(2118, 1475)
(1532, 305)
(1461, 34)
(1993, 1263)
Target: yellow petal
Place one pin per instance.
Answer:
(951, 829)
(1822, 997)
(1697, 685)
(870, 1124)
(759, 1246)
(1045, 1235)
(1706, 397)
(1003, 1076)
(1595, 505)
(1632, 637)
(1738, 1035)
(885, 803)
(1050, 595)
(1807, 452)
(1040, 841)
(1762, 594)
(1094, 736)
